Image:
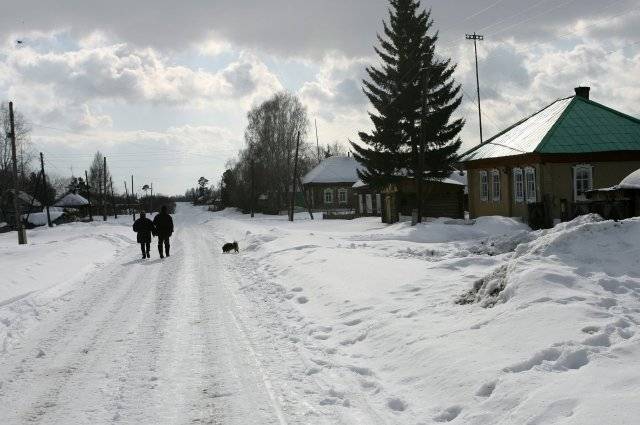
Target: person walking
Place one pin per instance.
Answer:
(164, 229)
(144, 228)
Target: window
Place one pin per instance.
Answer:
(342, 196)
(530, 184)
(484, 186)
(518, 185)
(328, 196)
(582, 181)
(495, 188)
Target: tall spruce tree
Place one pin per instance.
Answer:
(414, 97)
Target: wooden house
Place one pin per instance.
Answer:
(542, 167)
(26, 204)
(329, 186)
(440, 198)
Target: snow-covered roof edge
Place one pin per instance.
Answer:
(335, 169)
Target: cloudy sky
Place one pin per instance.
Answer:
(162, 87)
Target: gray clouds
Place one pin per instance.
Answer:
(302, 28)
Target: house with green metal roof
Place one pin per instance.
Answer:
(542, 167)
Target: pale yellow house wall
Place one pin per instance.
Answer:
(553, 180)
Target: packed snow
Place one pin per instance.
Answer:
(336, 321)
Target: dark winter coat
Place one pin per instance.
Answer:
(144, 227)
(163, 224)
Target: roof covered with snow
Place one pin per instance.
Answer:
(632, 181)
(26, 198)
(569, 125)
(458, 178)
(40, 218)
(335, 169)
(71, 200)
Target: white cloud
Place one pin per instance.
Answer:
(214, 46)
(91, 120)
(337, 89)
(97, 71)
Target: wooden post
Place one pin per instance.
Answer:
(253, 195)
(293, 183)
(307, 204)
(113, 199)
(86, 181)
(22, 234)
(126, 192)
(133, 197)
(104, 187)
(44, 183)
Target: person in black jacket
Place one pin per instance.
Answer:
(164, 229)
(144, 228)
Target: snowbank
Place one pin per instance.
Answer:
(372, 309)
(632, 181)
(446, 230)
(52, 262)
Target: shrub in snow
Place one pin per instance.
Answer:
(485, 291)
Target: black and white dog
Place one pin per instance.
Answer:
(230, 246)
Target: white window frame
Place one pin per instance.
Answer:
(484, 186)
(580, 168)
(342, 196)
(496, 190)
(530, 190)
(518, 194)
(328, 199)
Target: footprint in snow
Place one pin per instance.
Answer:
(486, 389)
(302, 300)
(448, 414)
(396, 404)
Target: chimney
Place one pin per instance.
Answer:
(583, 92)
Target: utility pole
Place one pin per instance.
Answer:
(252, 164)
(126, 192)
(113, 199)
(86, 181)
(133, 196)
(44, 181)
(295, 172)
(22, 234)
(104, 192)
(475, 37)
(317, 141)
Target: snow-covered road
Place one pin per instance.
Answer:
(323, 322)
(155, 341)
